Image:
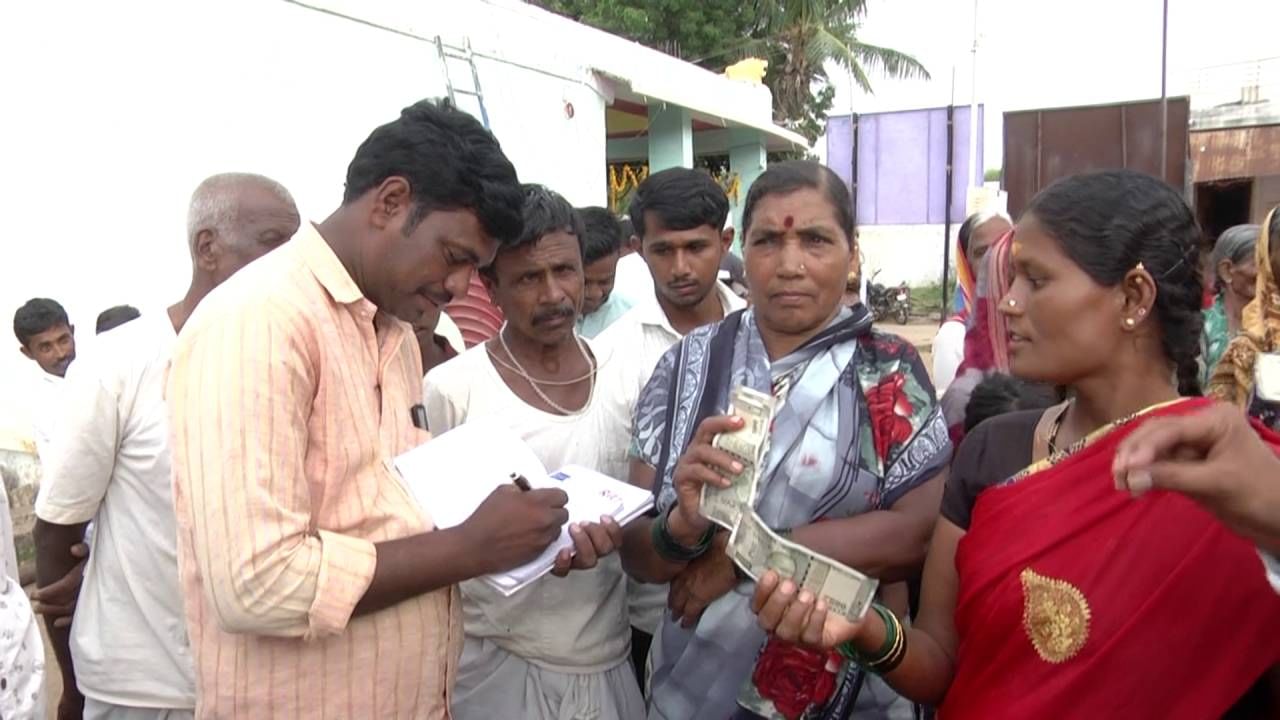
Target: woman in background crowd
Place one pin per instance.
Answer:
(1234, 275)
(986, 343)
(1247, 358)
(977, 234)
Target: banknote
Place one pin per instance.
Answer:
(756, 548)
(750, 445)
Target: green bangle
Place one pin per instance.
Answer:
(670, 549)
(890, 650)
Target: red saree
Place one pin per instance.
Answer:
(1076, 601)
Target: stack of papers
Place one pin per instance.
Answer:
(451, 475)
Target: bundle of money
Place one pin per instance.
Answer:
(756, 548)
(750, 446)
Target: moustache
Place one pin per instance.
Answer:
(561, 311)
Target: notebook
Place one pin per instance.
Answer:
(450, 476)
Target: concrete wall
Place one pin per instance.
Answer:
(906, 253)
(117, 111)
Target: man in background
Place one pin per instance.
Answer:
(46, 336)
(114, 317)
(438, 338)
(602, 302)
(110, 463)
(680, 216)
(632, 277)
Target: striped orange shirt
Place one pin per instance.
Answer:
(290, 394)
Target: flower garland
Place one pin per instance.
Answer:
(622, 180)
(624, 177)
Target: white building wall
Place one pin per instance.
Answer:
(113, 112)
(906, 253)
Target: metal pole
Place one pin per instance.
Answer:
(1164, 94)
(946, 229)
(976, 173)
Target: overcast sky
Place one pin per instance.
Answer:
(1047, 53)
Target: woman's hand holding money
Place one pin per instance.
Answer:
(701, 464)
(800, 617)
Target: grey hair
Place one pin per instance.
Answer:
(1235, 244)
(213, 204)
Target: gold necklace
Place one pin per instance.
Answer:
(533, 382)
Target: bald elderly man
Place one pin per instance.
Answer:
(111, 464)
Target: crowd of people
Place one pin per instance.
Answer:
(1069, 531)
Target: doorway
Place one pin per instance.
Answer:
(1222, 204)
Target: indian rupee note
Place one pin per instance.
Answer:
(723, 506)
(756, 549)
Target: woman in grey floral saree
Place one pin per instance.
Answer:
(858, 448)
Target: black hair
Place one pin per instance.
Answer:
(1108, 222)
(682, 199)
(544, 212)
(998, 393)
(36, 316)
(115, 317)
(966, 229)
(603, 234)
(788, 177)
(450, 161)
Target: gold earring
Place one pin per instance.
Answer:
(1013, 303)
(1140, 266)
(1130, 322)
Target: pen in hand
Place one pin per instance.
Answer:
(521, 482)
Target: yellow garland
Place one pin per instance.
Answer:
(626, 177)
(621, 183)
(731, 183)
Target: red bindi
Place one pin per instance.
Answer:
(788, 222)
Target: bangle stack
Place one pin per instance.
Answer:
(670, 549)
(891, 651)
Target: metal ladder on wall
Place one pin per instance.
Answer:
(451, 53)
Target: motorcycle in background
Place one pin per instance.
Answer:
(889, 303)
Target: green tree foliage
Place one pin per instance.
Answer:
(799, 38)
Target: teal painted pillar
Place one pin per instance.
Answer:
(747, 158)
(670, 137)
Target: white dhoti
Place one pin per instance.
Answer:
(493, 683)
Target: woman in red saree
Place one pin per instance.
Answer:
(1048, 593)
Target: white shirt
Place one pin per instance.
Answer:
(948, 353)
(46, 406)
(635, 343)
(21, 647)
(1272, 564)
(448, 329)
(572, 624)
(632, 279)
(111, 464)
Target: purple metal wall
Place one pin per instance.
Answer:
(902, 163)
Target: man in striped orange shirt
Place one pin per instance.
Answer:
(314, 586)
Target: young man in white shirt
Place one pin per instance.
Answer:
(46, 336)
(559, 648)
(680, 216)
(110, 463)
